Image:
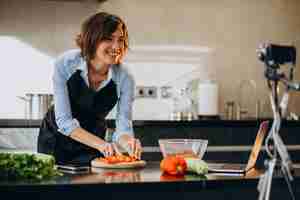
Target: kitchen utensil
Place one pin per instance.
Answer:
(185, 147)
(36, 105)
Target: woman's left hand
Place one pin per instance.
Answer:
(131, 145)
(135, 148)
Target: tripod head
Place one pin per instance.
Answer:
(273, 56)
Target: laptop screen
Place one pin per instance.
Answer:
(263, 128)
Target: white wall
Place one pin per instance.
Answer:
(231, 29)
(32, 34)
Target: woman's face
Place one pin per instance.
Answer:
(110, 50)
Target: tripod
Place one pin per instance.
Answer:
(275, 147)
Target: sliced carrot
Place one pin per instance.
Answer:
(118, 159)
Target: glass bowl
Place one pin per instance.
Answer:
(185, 147)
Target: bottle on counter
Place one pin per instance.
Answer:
(182, 106)
(229, 110)
(176, 112)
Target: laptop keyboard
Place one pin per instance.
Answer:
(234, 166)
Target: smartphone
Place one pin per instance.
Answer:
(73, 167)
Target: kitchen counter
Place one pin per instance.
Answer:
(227, 139)
(146, 183)
(24, 123)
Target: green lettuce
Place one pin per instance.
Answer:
(14, 166)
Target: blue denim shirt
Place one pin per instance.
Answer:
(67, 64)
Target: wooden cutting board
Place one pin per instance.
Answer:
(124, 165)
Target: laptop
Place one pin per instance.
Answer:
(239, 167)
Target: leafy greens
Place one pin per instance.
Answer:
(31, 166)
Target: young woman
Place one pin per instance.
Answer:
(88, 83)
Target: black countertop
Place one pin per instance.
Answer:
(24, 123)
(149, 182)
(149, 174)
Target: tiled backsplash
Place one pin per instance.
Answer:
(162, 66)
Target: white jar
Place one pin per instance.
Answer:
(208, 98)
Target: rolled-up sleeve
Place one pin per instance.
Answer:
(64, 120)
(124, 108)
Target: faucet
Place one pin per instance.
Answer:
(241, 110)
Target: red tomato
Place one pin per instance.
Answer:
(173, 165)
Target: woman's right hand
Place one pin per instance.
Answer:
(106, 149)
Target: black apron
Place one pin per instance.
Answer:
(90, 108)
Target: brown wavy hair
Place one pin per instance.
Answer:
(97, 28)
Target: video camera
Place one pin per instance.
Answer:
(275, 55)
